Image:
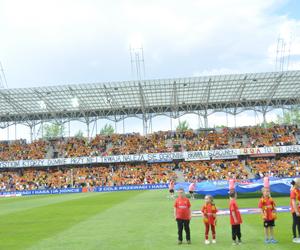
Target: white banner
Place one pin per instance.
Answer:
(158, 157)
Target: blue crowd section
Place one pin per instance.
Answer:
(213, 188)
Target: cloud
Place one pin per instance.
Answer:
(71, 41)
(80, 41)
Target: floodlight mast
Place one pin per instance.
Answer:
(3, 82)
(138, 73)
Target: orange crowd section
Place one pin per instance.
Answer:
(167, 141)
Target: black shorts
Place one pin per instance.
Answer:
(171, 191)
(191, 192)
(269, 223)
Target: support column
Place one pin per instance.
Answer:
(69, 128)
(42, 128)
(205, 116)
(235, 120)
(31, 136)
(227, 125)
(8, 131)
(15, 131)
(264, 113)
(88, 128)
(145, 125)
(96, 125)
(123, 125)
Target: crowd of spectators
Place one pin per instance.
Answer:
(285, 166)
(142, 173)
(113, 175)
(20, 150)
(214, 170)
(167, 141)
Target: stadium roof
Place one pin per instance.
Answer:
(164, 96)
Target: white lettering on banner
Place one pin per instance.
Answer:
(222, 153)
(292, 149)
(59, 161)
(196, 155)
(166, 156)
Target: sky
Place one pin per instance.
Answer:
(55, 42)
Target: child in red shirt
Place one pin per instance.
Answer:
(209, 212)
(268, 210)
(235, 218)
(182, 214)
(295, 208)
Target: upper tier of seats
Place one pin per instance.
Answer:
(163, 141)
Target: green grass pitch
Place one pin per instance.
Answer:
(124, 220)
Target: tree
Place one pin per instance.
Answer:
(182, 126)
(268, 124)
(53, 130)
(108, 129)
(289, 117)
(221, 126)
(79, 134)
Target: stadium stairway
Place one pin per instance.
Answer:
(50, 152)
(180, 176)
(250, 174)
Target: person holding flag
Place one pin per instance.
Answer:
(171, 188)
(192, 188)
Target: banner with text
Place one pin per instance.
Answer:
(80, 190)
(155, 157)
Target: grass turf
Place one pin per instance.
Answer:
(124, 220)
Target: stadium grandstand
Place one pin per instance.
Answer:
(154, 157)
(149, 125)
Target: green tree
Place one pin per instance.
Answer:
(53, 130)
(221, 126)
(182, 126)
(108, 129)
(289, 117)
(79, 134)
(268, 124)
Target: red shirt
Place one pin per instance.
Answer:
(233, 207)
(182, 206)
(209, 213)
(268, 207)
(295, 195)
